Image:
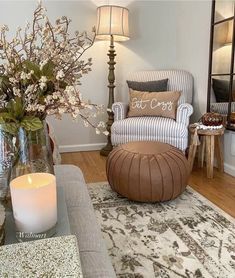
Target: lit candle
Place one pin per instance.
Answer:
(34, 202)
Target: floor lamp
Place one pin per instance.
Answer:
(112, 24)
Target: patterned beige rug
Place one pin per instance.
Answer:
(187, 237)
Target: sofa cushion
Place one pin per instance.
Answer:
(148, 86)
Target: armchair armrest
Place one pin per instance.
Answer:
(184, 111)
(120, 110)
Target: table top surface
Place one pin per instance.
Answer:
(53, 257)
(208, 132)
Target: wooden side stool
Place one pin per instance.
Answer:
(209, 144)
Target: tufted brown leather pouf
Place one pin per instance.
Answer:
(147, 171)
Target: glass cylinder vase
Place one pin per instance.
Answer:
(33, 153)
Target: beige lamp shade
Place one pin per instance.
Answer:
(112, 20)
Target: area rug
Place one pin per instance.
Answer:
(187, 237)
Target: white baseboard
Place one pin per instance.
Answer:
(81, 147)
(229, 169)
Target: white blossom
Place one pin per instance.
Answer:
(43, 63)
(13, 80)
(23, 75)
(60, 75)
(29, 75)
(43, 79)
(42, 83)
(62, 99)
(16, 92)
(30, 89)
(40, 108)
(61, 110)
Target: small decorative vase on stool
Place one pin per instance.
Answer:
(212, 119)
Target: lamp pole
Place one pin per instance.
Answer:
(111, 78)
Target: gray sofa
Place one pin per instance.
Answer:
(93, 253)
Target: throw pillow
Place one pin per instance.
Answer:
(163, 104)
(149, 86)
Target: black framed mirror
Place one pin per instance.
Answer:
(221, 77)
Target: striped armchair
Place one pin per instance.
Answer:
(174, 132)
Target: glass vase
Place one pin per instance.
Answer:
(33, 152)
(6, 158)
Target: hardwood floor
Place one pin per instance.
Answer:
(91, 163)
(220, 190)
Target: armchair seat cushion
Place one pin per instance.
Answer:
(160, 129)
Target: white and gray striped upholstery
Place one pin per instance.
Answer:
(174, 132)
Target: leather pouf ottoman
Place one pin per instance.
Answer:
(147, 171)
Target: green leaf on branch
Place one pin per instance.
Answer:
(3, 80)
(7, 117)
(4, 84)
(11, 128)
(31, 123)
(15, 108)
(32, 66)
(48, 70)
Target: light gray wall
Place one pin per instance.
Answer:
(164, 35)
